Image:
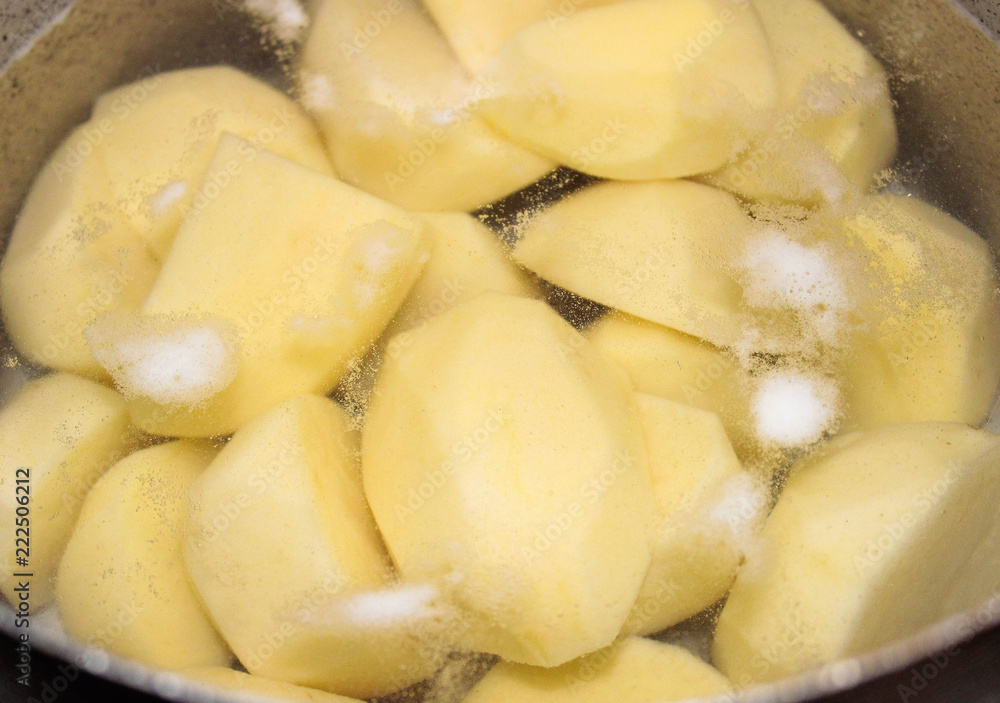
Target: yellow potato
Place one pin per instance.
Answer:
(103, 212)
(159, 134)
(636, 90)
(237, 681)
(58, 436)
(658, 250)
(676, 366)
(476, 29)
(286, 557)
(72, 256)
(400, 116)
(707, 511)
(279, 320)
(122, 585)
(876, 536)
(927, 345)
(503, 458)
(833, 129)
(634, 670)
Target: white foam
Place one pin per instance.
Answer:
(317, 92)
(285, 19)
(167, 197)
(782, 273)
(794, 409)
(168, 363)
(389, 607)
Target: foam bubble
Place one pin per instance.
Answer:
(794, 409)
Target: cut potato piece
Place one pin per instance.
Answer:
(476, 29)
(466, 259)
(627, 91)
(707, 512)
(634, 670)
(927, 347)
(73, 255)
(104, 211)
(400, 116)
(160, 134)
(660, 251)
(673, 365)
(503, 458)
(240, 682)
(878, 535)
(58, 436)
(286, 556)
(337, 266)
(122, 585)
(833, 129)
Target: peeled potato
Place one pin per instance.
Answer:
(265, 322)
(286, 557)
(502, 457)
(634, 669)
(476, 29)
(122, 585)
(682, 368)
(240, 682)
(656, 250)
(833, 129)
(707, 510)
(58, 436)
(636, 90)
(73, 255)
(161, 133)
(400, 116)
(930, 328)
(876, 536)
(104, 211)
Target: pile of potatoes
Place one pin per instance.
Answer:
(310, 429)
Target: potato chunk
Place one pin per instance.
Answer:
(163, 130)
(876, 536)
(634, 670)
(707, 511)
(240, 682)
(58, 436)
(503, 458)
(682, 368)
(104, 211)
(73, 255)
(833, 129)
(627, 91)
(658, 250)
(926, 349)
(122, 584)
(400, 116)
(286, 557)
(291, 315)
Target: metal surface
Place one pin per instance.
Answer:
(945, 62)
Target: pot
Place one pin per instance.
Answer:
(56, 56)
